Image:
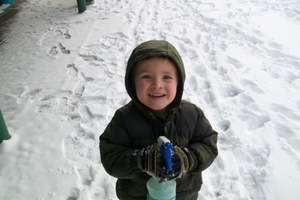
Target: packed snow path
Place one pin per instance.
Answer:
(62, 80)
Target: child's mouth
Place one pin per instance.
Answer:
(157, 95)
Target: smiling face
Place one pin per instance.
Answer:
(155, 81)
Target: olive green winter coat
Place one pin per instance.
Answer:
(135, 126)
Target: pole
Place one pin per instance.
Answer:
(4, 135)
(81, 6)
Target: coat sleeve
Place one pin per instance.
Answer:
(115, 151)
(203, 142)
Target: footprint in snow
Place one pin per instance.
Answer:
(283, 110)
(85, 113)
(91, 58)
(234, 62)
(66, 35)
(78, 145)
(47, 106)
(221, 71)
(256, 122)
(289, 141)
(209, 97)
(74, 148)
(224, 125)
(54, 93)
(72, 70)
(82, 76)
(63, 49)
(288, 135)
(230, 91)
(245, 99)
(53, 51)
(250, 84)
(28, 94)
(193, 82)
(85, 174)
(79, 88)
(63, 107)
(206, 85)
(54, 100)
(73, 194)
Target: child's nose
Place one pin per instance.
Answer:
(157, 84)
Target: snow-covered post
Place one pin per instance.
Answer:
(4, 135)
(81, 6)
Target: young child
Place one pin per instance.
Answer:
(154, 80)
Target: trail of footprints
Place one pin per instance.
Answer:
(78, 147)
(250, 113)
(60, 47)
(54, 50)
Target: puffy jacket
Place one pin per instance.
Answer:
(135, 126)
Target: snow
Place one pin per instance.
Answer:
(61, 76)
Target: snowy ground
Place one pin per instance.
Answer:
(61, 79)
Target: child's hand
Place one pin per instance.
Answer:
(182, 162)
(150, 160)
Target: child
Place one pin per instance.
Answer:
(154, 80)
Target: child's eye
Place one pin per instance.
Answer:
(146, 76)
(167, 77)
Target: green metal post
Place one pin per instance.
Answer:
(81, 6)
(4, 135)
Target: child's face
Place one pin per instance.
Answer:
(156, 82)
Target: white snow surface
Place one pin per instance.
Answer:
(62, 79)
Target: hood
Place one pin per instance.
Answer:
(155, 48)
